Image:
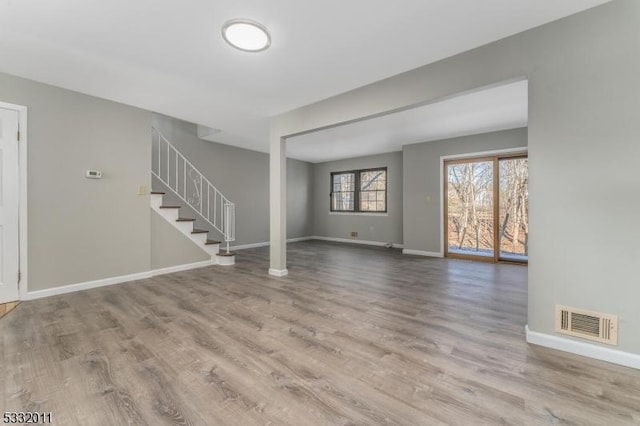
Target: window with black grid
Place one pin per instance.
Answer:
(359, 191)
(343, 188)
(373, 190)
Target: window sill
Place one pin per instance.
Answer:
(357, 214)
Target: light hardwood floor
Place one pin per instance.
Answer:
(5, 308)
(353, 336)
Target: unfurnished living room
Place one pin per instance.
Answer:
(330, 213)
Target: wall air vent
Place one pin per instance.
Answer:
(587, 324)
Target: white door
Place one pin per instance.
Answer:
(9, 259)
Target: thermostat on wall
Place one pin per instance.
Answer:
(94, 174)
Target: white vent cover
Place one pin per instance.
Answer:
(587, 324)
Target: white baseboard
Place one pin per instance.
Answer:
(38, 294)
(422, 253)
(350, 241)
(278, 272)
(247, 246)
(267, 243)
(55, 291)
(316, 237)
(298, 239)
(614, 356)
(179, 268)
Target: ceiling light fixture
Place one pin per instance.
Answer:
(246, 35)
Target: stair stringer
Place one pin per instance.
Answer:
(186, 228)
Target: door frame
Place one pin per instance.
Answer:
(443, 204)
(22, 196)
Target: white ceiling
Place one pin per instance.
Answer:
(168, 56)
(488, 110)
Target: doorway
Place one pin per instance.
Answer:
(9, 203)
(486, 208)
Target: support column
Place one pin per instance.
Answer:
(278, 206)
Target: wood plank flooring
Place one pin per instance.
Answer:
(5, 308)
(353, 336)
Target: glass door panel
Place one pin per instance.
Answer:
(470, 208)
(513, 218)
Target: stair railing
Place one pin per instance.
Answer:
(191, 186)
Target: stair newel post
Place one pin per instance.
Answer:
(225, 221)
(159, 153)
(229, 222)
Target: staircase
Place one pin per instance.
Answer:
(191, 192)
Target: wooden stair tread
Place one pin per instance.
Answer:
(199, 231)
(185, 219)
(212, 242)
(225, 254)
(157, 192)
(169, 207)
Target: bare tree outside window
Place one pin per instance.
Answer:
(359, 191)
(373, 191)
(343, 192)
(514, 208)
(470, 195)
(475, 209)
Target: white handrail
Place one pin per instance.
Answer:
(194, 188)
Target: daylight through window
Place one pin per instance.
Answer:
(359, 191)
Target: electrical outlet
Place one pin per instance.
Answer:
(354, 234)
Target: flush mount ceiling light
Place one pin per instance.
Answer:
(246, 35)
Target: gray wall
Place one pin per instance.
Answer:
(584, 98)
(242, 176)
(583, 156)
(385, 228)
(300, 212)
(82, 229)
(169, 247)
(422, 189)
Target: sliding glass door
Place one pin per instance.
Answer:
(470, 208)
(514, 208)
(486, 208)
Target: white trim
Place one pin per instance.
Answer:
(298, 239)
(472, 155)
(267, 243)
(38, 294)
(185, 267)
(358, 214)
(278, 272)
(248, 246)
(423, 253)
(185, 228)
(444, 158)
(316, 237)
(362, 242)
(582, 348)
(23, 218)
